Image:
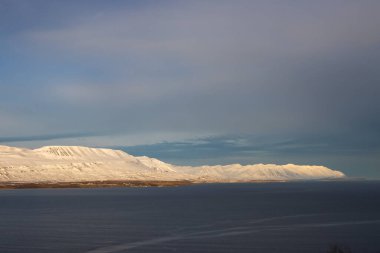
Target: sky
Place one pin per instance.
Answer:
(196, 82)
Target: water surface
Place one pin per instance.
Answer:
(265, 217)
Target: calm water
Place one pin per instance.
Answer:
(271, 217)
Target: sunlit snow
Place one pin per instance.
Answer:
(74, 163)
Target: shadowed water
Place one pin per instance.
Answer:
(270, 217)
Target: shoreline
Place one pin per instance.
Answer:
(91, 184)
(138, 183)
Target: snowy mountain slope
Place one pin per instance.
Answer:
(74, 164)
(237, 172)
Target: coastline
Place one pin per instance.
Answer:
(142, 183)
(91, 184)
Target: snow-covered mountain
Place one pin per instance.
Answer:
(75, 164)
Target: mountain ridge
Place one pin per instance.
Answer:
(79, 163)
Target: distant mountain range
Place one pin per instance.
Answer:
(79, 164)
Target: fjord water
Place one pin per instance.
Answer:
(265, 217)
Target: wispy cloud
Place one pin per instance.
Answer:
(338, 151)
(248, 145)
(10, 139)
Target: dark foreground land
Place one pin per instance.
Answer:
(92, 184)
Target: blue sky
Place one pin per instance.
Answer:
(196, 82)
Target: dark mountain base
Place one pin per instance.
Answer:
(93, 184)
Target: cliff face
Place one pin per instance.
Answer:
(75, 164)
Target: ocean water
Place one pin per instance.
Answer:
(266, 217)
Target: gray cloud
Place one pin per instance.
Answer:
(355, 156)
(262, 68)
(268, 63)
(11, 139)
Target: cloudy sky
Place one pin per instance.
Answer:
(196, 82)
